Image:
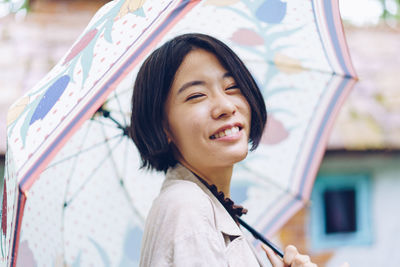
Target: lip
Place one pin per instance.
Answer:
(227, 126)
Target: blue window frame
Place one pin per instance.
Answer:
(341, 211)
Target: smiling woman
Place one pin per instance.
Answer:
(215, 128)
(155, 80)
(195, 109)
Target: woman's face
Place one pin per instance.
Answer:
(208, 118)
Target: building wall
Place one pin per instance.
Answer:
(384, 172)
(51, 28)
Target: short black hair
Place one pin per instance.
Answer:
(153, 83)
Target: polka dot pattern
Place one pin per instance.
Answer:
(91, 193)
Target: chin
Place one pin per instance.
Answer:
(239, 156)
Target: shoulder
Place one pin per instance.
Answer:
(181, 220)
(181, 196)
(182, 206)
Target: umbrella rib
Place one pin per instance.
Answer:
(121, 182)
(120, 92)
(112, 111)
(103, 123)
(120, 107)
(271, 182)
(68, 185)
(83, 151)
(268, 181)
(125, 165)
(67, 203)
(106, 114)
(129, 90)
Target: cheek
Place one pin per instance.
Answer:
(184, 130)
(190, 130)
(246, 110)
(188, 124)
(187, 139)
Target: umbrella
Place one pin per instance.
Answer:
(73, 191)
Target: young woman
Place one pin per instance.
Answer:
(195, 109)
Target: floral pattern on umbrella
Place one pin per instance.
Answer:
(74, 194)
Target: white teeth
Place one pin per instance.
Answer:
(227, 132)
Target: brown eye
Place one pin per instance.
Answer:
(233, 87)
(194, 96)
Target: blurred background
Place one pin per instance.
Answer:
(352, 214)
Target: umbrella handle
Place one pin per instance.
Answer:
(260, 237)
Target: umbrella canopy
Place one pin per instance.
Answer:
(73, 194)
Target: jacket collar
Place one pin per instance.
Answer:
(223, 219)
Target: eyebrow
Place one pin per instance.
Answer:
(189, 84)
(194, 83)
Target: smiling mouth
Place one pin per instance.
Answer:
(226, 132)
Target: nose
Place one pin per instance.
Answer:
(223, 106)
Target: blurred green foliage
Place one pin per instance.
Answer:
(391, 9)
(13, 6)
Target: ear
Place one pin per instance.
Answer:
(167, 132)
(169, 139)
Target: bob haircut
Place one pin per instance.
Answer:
(153, 83)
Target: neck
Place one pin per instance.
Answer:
(220, 177)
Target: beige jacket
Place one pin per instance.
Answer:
(188, 226)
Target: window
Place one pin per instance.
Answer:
(340, 211)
